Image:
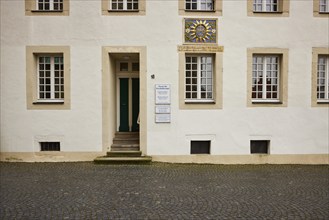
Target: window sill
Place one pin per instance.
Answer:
(49, 102)
(324, 12)
(267, 12)
(322, 101)
(266, 102)
(133, 11)
(47, 11)
(200, 102)
(211, 11)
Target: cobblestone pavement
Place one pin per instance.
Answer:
(163, 191)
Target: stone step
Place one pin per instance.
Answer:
(123, 160)
(130, 140)
(125, 147)
(126, 134)
(124, 153)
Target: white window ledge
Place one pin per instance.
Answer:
(47, 10)
(200, 101)
(49, 102)
(195, 10)
(323, 101)
(266, 101)
(111, 10)
(272, 12)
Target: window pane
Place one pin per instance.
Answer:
(323, 78)
(47, 5)
(58, 4)
(114, 6)
(194, 5)
(40, 5)
(135, 66)
(135, 4)
(198, 77)
(257, 86)
(265, 73)
(51, 76)
(257, 5)
(123, 66)
(324, 6)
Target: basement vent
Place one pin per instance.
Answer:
(50, 146)
(259, 146)
(200, 147)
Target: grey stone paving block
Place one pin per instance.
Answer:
(162, 191)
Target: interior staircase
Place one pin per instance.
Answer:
(125, 149)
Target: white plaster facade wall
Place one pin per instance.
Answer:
(296, 129)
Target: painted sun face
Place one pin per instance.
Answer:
(200, 31)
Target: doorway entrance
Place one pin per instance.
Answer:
(123, 63)
(127, 95)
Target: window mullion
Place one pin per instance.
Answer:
(51, 5)
(278, 6)
(278, 77)
(326, 78)
(38, 77)
(264, 5)
(125, 5)
(199, 78)
(52, 77)
(198, 7)
(264, 77)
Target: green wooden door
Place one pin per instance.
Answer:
(135, 103)
(124, 104)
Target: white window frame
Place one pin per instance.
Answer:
(52, 79)
(51, 5)
(325, 78)
(125, 5)
(198, 84)
(325, 4)
(199, 5)
(264, 4)
(264, 78)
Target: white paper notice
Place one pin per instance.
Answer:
(162, 94)
(162, 109)
(162, 118)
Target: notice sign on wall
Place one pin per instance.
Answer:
(162, 118)
(162, 109)
(162, 103)
(162, 94)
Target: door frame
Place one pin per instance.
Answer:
(109, 57)
(129, 74)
